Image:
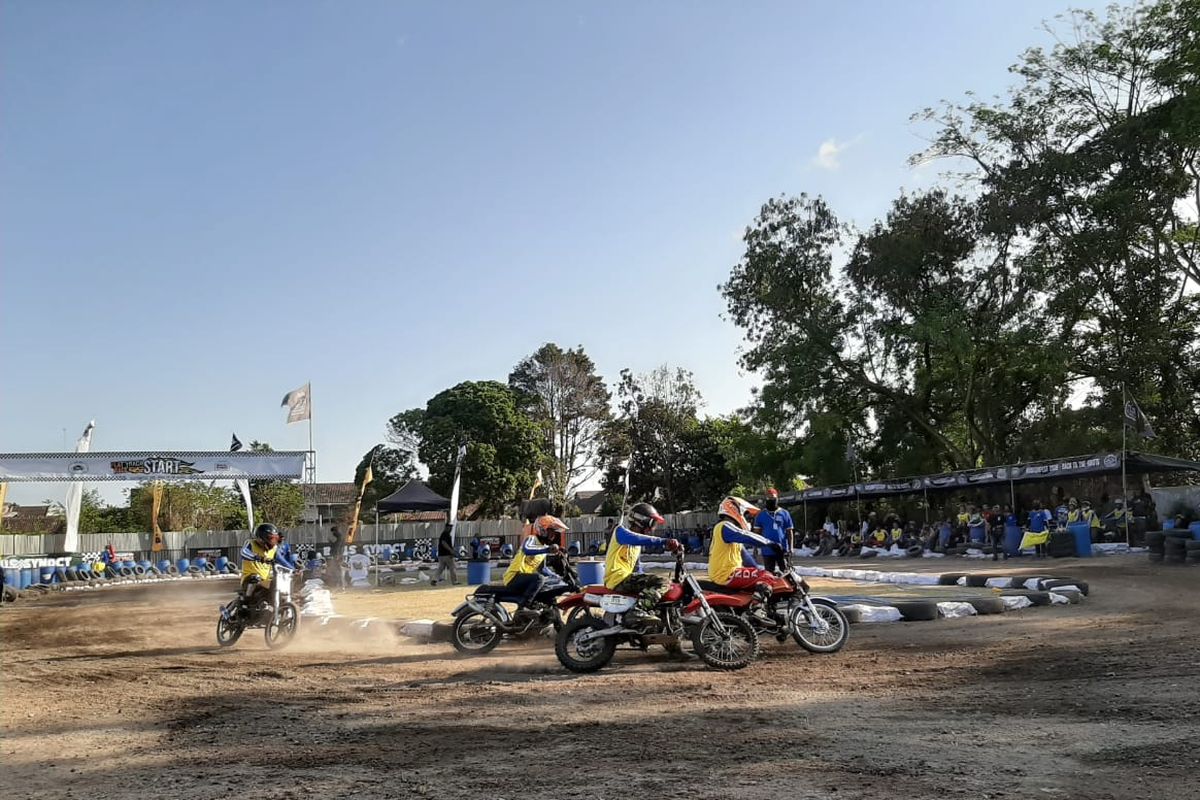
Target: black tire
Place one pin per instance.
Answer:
(916, 551)
(283, 626)
(228, 632)
(986, 605)
(597, 654)
(1174, 558)
(950, 578)
(1154, 539)
(916, 610)
(583, 611)
(1052, 584)
(1175, 545)
(734, 648)
(830, 642)
(1192, 546)
(868, 554)
(1036, 597)
(474, 634)
(977, 581)
(1156, 558)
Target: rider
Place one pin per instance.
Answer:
(527, 573)
(621, 564)
(731, 533)
(258, 555)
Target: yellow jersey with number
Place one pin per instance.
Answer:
(256, 560)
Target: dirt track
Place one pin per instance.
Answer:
(123, 694)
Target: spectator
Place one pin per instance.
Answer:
(335, 572)
(774, 524)
(1086, 514)
(1038, 532)
(996, 529)
(445, 556)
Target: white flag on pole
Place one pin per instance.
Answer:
(462, 452)
(74, 501)
(297, 403)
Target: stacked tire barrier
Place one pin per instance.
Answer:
(1173, 547)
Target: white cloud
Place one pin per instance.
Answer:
(830, 152)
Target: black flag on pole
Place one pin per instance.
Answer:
(235, 445)
(1135, 418)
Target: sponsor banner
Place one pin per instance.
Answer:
(33, 562)
(144, 466)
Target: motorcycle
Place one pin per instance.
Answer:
(279, 616)
(483, 619)
(588, 642)
(786, 606)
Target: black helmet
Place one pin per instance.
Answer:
(643, 517)
(268, 534)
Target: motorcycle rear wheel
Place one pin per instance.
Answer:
(586, 656)
(830, 641)
(228, 632)
(474, 634)
(282, 627)
(734, 648)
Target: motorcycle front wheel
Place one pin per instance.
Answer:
(475, 634)
(580, 656)
(228, 632)
(725, 641)
(827, 633)
(283, 625)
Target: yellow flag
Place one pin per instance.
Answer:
(3, 494)
(155, 504)
(368, 476)
(536, 483)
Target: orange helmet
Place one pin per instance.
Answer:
(738, 510)
(549, 530)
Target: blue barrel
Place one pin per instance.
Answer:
(12, 577)
(222, 563)
(163, 565)
(26, 577)
(1195, 529)
(977, 533)
(574, 549)
(1082, 532)
(200, 562)
(128, 564)
(944, 535)
(479, 572)
(182, 565)
(1168, 524)
(591, 572)
(45, 574)
(1012, 539)
(146, 565)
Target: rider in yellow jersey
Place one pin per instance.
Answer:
(622, 568)
(528, 572)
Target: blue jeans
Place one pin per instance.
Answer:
(527, 585)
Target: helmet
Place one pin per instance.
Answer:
(643, 517)
(549, 530)
(738, 511)
(268, 534)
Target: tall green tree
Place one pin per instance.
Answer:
(504, 446)
(675, 459)
(561, 392)
(1091, 169)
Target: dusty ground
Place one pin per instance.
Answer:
(123, 693)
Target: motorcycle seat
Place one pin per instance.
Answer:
(709, 586)
(497, 590)
(598, 589)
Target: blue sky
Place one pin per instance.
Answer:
(204, 205)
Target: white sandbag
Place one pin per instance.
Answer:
(931, 554)
(973, 553)
(1032, 584)
(1058, 599)
(876, 613)
(954, 610)
(1014, 602)
(998, 583)
(962, 581)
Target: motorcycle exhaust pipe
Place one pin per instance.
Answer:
(590, 635)
(487, 612)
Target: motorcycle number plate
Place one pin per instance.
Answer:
(616, 603)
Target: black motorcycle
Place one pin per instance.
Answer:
(484, 618)
(278, 616)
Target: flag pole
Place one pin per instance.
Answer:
(377, 544)
(1124, 491)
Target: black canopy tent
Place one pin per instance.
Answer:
(413, 496)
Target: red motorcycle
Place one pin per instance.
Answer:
(596, 626)
(783, 604)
